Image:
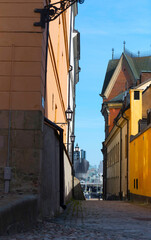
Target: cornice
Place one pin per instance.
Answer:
(115, 105)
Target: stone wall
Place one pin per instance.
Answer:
(68, 177)
(50, 173)
(21, 148)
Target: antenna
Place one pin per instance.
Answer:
(124, 46)
(112, 53)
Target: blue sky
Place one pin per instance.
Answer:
(103, 25)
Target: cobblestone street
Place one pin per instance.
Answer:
(108, 220)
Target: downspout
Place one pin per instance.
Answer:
(120, 193)
(53, 125)
(62, 202)
(104, 152)
(46, 60)
(127, 153)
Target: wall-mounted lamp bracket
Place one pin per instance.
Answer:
(61, 123)
(70, 68)
(54, 10)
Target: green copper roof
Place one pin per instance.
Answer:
(139, 64)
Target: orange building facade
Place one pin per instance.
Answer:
(34, 77)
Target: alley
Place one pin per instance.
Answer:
(108, 220)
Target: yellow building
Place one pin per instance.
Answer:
(117, 158)
(140, 153)
(125, 80)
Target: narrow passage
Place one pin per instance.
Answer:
(94, 219)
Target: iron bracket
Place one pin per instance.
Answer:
(52, 11)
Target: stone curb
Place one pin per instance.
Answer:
(18, 214)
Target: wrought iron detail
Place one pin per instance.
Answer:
(52, 11)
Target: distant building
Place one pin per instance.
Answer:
(81, 165)
(100, 167)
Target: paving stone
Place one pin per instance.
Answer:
(102, 220)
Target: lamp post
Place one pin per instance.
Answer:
(69, 114)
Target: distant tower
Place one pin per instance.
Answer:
(124, 46)
(112, 53)
(138, 53)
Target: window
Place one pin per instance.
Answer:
(137, 183)
(118, 155)
(136, 95)
(134, 183)
(126, 146)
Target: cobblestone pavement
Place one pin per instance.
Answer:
(107, 220)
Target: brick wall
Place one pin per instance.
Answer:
(113, 113)
(145, 76)
(123, 82)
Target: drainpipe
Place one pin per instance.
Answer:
(46, 60)
(127, 153)
(104, 152)
(120, 193)
(53, 125)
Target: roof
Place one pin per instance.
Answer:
(118, 98)
(136, 64)
(110, 70)
(139, 64)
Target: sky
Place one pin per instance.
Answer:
(103, 25)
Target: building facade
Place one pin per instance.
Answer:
(121, 120)
(140, 167)
(37, 86)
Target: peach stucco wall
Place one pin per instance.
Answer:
(57, 69)
(22, 59)
(20, 55)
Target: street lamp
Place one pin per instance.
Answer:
(53, 10)
(69, 114)
(77, 148)
(72, 137)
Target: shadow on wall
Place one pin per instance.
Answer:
(78, 193)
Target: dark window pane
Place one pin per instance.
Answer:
(136, 95)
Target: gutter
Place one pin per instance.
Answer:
(127, 153)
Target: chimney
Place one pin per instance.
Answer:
(135, 109)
